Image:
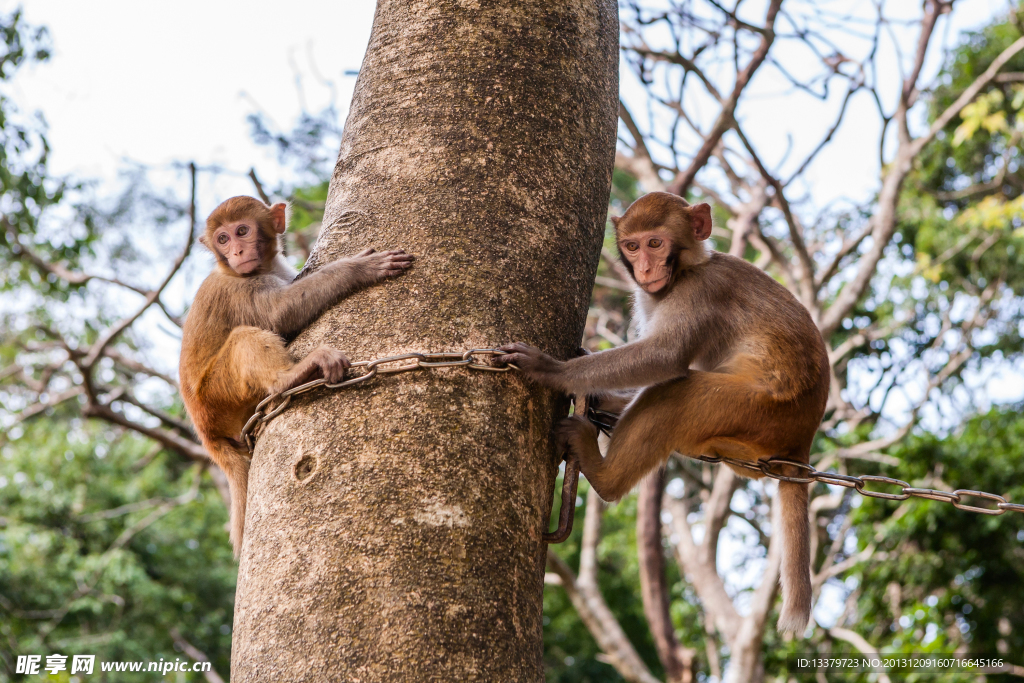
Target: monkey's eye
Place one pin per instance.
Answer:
(654, 243)
(222, 239)
(632, 246)
(242, 231)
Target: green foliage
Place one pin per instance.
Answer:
(98, 557)
(955, 569)
(940, 580)
(963, 213)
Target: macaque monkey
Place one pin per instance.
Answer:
(728, 364)
(232, 347)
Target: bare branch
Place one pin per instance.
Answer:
(613, 283)
(678, 661)
(745, 221)
(845, 250)
(136, 366)
(933, 9)
(180, 426)
(259, 186)
(689, 66)
(42, 407)
(764, 595)
(726, 116)
(706, 581)
(1010, 77)
(796, 235)
(716, 512)
(196, 654)
(854, 87)
(107, 337)
(168, 439)
(640, 164)
(615, 263)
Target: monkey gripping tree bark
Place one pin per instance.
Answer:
(394, 529)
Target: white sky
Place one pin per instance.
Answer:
(162, 82)
(157, 83)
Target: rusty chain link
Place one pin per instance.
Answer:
(371, 368)
(412, 361)
(605, 421)
(770, 467)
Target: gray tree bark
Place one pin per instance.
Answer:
(394, 528)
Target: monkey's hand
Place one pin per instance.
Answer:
(538, 366)
(379, 265)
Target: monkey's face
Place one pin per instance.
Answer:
(651, 254)
(241, 245)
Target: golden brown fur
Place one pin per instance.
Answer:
(729, 363)
(232, 350)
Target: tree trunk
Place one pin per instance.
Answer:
(394, 527)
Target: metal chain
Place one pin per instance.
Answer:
(371, 368)
(770, 467)
(605, 421)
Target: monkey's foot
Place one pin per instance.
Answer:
(574, 434)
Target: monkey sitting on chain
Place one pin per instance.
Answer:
(728, 364)
(232, 351)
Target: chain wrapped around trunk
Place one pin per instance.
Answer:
(371, 368)
(474, 359)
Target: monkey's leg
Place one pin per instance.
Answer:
(637, 445)
(727, 415)
(254, 362)
(241, 374)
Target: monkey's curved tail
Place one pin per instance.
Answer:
(796, 558)
(234, 460)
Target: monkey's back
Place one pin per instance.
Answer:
(766, 332)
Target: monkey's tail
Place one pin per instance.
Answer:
(234, 460)
(796, 558)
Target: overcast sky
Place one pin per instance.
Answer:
(158, 83)
(173, 81)
(163, 82)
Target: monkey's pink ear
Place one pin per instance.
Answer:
(701, 217)
(202, 241)
(615, 220)
(279, 213)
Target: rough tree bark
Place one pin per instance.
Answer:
(394, 528)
